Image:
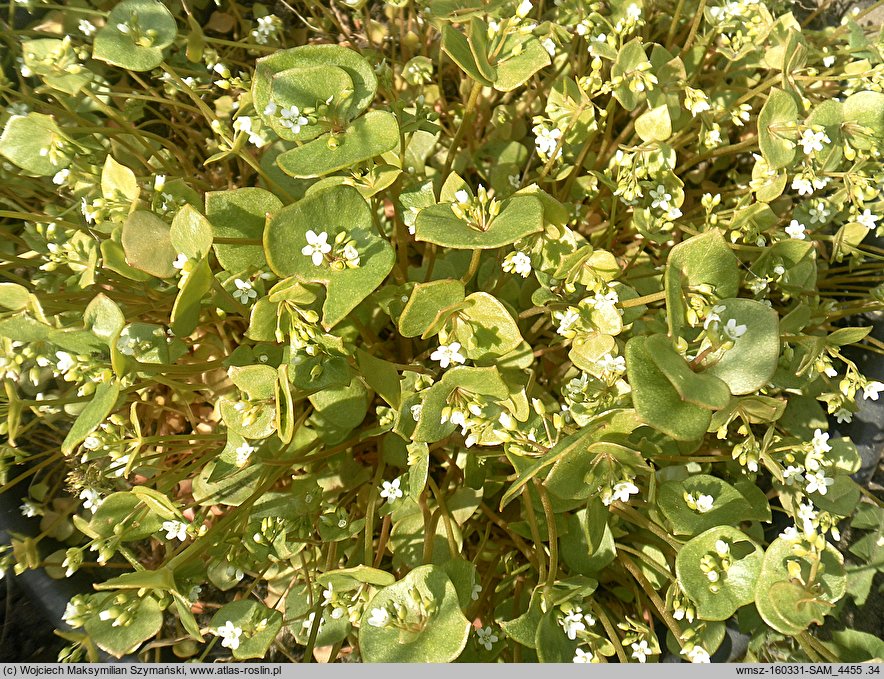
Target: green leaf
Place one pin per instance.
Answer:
(551, 642)
(629, 58)
(125, 516)
(95, 412)
(786, 604)
(308, 87)
(259, 626)
(161, 579)
(191, 233)
(104, 318)
(332, 211)
(519, 216)
(186, 310)
(317, 56)
(735, 587)
(371, 135)
(482, 381)
(485, 328)
(702, 390)
(440, 637)
(339, 410)
(151, 28)
(382, 376)
(147, 244)
(654, 124)
(751, 362)
(702, 260)
(456, 46)
(777, 129)
(31, 142)
(145, 621)
(118, 180)
(425, 302)
(864, 119)
(657, 401)
(14, 297)
(525, 56)
(241, 214)
(729, 507)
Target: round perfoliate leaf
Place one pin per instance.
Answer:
(143, 620)
(371, 135)
(718, 570)
(322, 217)
(416, 620)
(148, 245)
(352, 63)
(33, 142)
(777, 129)
(750, 363)
(240, 215)
(135, 35)
(519, 216)
(253, 625)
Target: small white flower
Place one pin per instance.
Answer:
(660, 199)
(791, 534)
(573, 623)
(28, 509)
(448, 354)
(732, 330)
(416, 412)
(243, 124)
(633, 11)
(477, 590)
(91, 499)
(180, 261)
(524, 8)
(462, 197)
(819, 213)
(807, 512)
(317, 246)
(813, 141)
(820, 442)
(549, 46)
(123, 28)
(698, 654)
(802, 185)
(379, 617)
(843, 415)
(230, 635)
(292, 119)
(86, 28)
(91, 443)
(547, 140)
(872, 389)
(390, 490)
(243, 453)
(487, 637)
(566, 320)
(65, 361)
(61, 177)
(791, 474)
(818, 482)
(175, 530)
(517, 262)
(244, 292)
(795, 229)
(641, 651)
(270, 109)
(623, 490)
(867, 219)
(704, 503)
(581, 656)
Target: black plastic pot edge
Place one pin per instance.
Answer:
(49, 595)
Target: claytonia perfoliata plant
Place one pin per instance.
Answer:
(429, 331)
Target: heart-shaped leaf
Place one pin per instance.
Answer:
(519, 216)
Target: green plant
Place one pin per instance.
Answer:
(447, 330)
